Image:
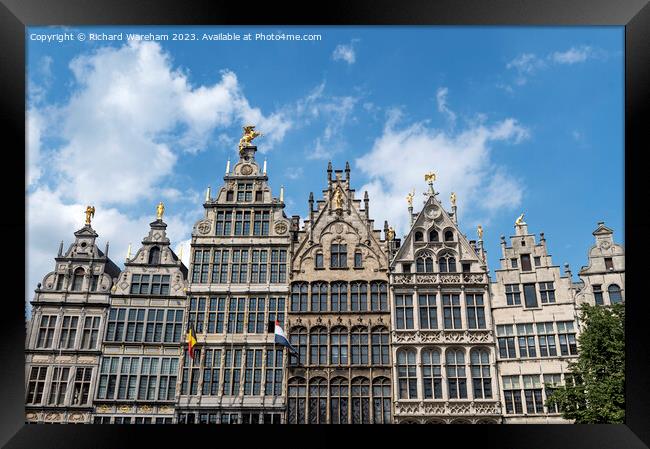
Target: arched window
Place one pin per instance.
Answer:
(447, 263)
(77, 279)
(319, 259)
(406, 374)
(379, 296)
(456, 377)
(299, 297)
(318, 346)
(360, 401)
(154, 256)
(339, 297)
(339, 400)
(339, 346)
(615, 296)
(481, 381)
(296, 401)
(319, 297)
(359, 345)
(449, 236)
(318, 401)
(424, 264)
(298, 339)
(359, 296)
(381, 399)
(419, 237)
(431, 374)
(433, 236)
(380, 348)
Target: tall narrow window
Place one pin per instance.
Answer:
(381, 398)
(451, 311)
(46, 331)
(339, 391)
(598, 294)
(339, 346)
(551, 382)
(419, 237)
(615, 296)
(360, 401)
(36, 384)
(253, 372)
(525, 262)
(380, 346)
(235, 315)
(358, 260)
(428, 311)
(447, 264)
(567, 336)
(481, 380)
(68, 332)
(318, 346)
(154, 256)
(339, 297)
(404, 311)
(475, 311)
(506, 341)
(211, 370)
(449, 236)
(546, 339)
(456, 377)
(379, 296)
(358, 296)
(406, 374)
(431, 374)
(359, 346)
(319, 297)
(273, 375)
(609, 264)
(318, 401)
(81, 386)
(77, 279)
(530, 295)
(59, 385)
(533, 394)
(424, 264)
(319, 260)
(512, 395)
(526, 337)
(90, 332)
(339, 255)
(298, 339)
(296, 401)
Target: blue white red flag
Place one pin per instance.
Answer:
(281, 338)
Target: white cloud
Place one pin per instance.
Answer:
(572, 55)
(441, 99)
(462, 161)
(294, 172)
(345, 52)
(525, 65)
(34, 126)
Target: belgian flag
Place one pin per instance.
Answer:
(191, 341)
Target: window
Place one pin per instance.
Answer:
(547, 292)
(296, 401)
(200, 266)
(231, 373)
(451, 311)
(36, 384)
(359, 297)
(59, 385)
(236, 310)
(230, 195)
(224, 221)
(239, 266)
(433, 236)
(318, 346)
(538, 261)
(546, 338)
(406, 374)
(456, 374)
(379, 296)
(94, 280)
(144, 284)
(447, 264)
(68, 332)
(526, 337)
(404, 311)
(256, 309)
(242, 223)
(428, 311)
(615, 296)
(77, 279)
(419, 237)
(381, 398)
(81, 386)
(533, 394)
(431, 374)
(513, 296)
(59, 282)
(276, 310)
(481, 380)
(358, 261)
(406, 268)
(598, 294)
(567, 337)
(609, 264)
(298, 339)
(513, 263)
(150, 325)
(253, 373)
(339, 401)
(318, 401)
(339, 255)
(261, 222)
(339, 297)
(154, 256)
(90, 332)
(475, 311)
(319, 260)
(359, 346)
(319, 297)
(258, 196)
(360, 401)
(467, 267)
(278, 266)
(339, 346)
(424, 264)
(220, 266)
(525, 262)
(449, 236)
(506, 341)
(46, 331)
(512, 395)
(196, 317)
(211, 371)
(380, 347)
(273, 374)
(551, 382)
(530, 295)
(245, 191)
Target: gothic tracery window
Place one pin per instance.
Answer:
(360, 401)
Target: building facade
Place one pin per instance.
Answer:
(64, 335)
(238, 284)
(339, 315)
(442, 341)
(142, 345)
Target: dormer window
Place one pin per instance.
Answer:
(525, 262)
(433, 236)
(447, 264)
(77, 279)
(230, 195)
(245, 191)
(339, 255)
(258, 196)
(154, 256)
(424, 264)
(449, 236)
(419, 237)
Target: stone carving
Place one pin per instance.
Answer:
(473, 278)
(281, 228)
(450, 279)
(145, 409)
(103, 409)
(403, 278)
(246, 170)
(125, 409)
(204, 226)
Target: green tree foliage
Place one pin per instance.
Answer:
(596, 393)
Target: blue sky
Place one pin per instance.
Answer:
(512, 119)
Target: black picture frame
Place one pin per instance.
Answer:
(15, 15)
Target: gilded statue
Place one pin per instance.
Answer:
(520, 220)
(338, 199)
(160, 210)
(247, 138)
(479, 231)
(390, 235)
(430, 177)
(453, 199)
(90, 213)
(409, 198)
